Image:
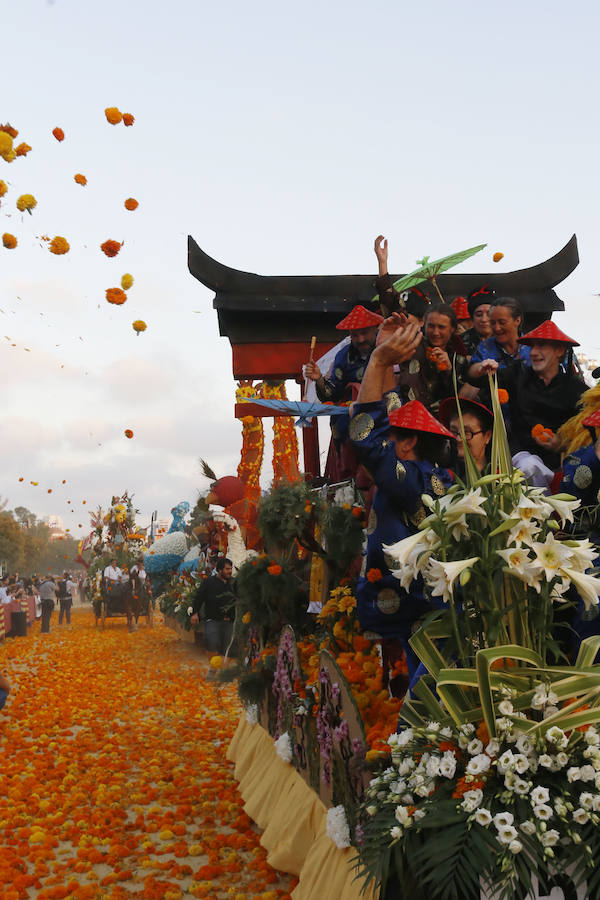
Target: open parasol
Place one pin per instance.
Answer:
(305, 409)
(428, 271)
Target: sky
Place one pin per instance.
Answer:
(283, 138)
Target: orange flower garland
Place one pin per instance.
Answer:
(80, 179)
(58, 134)
(131, 204)
(285, 440)
(116, 296)
(111, 248)
(9, 241)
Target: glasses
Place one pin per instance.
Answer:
(469, 435)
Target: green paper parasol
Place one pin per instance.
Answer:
(428, 271)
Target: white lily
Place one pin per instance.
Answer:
(401, 550)
(529, 507)
(523, 533)
(583, 554)
(469, 504)
(564, 505)
(588, 586)
(551, 555)
(517, 559)
(442, 575)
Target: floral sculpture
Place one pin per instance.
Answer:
(494, 785)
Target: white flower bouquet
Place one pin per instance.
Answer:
(497, 775)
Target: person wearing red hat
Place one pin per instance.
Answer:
(478, 304)
(539, 393)
(402, 450)
(463, 316)
(351, 361)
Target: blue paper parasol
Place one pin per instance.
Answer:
(304, 408)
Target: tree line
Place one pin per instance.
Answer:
(30, 547)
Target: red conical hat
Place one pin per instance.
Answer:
(547, 331)
(593, 420)
(359, 318)
(460, 307)
(415, 417)
(448, 409)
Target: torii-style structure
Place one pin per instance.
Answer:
(270, 319)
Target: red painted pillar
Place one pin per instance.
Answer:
(310, 444)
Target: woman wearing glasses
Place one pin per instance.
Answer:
(478, 421)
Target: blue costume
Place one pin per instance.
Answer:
(491, 349)
(383, 606)
(348, 366)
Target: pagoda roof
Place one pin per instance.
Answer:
(280, 308)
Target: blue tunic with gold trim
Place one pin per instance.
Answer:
(382, 605)
(348, 366)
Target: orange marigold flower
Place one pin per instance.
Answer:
(128, 433)
(374, 575)
(9, 240)
(8, 129)
(131, 203)
(80, 179)
(274, 569)
(128, 119)
(116, 296)
(498, 256)
(23, 149)
(246, 618)
(59, 245)
(111, 248)
(58, 134)
(537, 430)
(3, 188)
(139, 325)
(358, 512)
(502, 396)
(113, 115)
(126, 281)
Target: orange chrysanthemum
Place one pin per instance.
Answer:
(274, 569)
(59, 245)
(541, 432)
(80, 179)
(9, 241)
(502, 396)
(128, 119)
(128, 433)
(113, 115)
(23, 149)
(111, 248)
(498, 256)
(374, 575)
(116, 296)
(3, 188)
(131, 203)
(58, 134)
(139, 325)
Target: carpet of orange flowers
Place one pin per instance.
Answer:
(113, 776)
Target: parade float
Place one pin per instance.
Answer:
(483, 782)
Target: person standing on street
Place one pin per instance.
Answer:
(216, 595)
(47, 596)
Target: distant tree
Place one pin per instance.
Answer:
(24, 517)
(12, 542)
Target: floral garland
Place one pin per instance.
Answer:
(285, 439)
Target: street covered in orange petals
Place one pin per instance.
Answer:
(114, 781)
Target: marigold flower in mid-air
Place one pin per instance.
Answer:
(498, 256)
(128, 433)
(131, 203)
(116, 296)
(23, 149)
(6, 145)
(80, 179)
(9, 241)
(126, 281)
(502, 395)
(3, 188)
(111, 248)
(26, 202)
(59, 245)
(58, 134)
(8, 129)
(128, 119)
(139, 325)
(113, 115)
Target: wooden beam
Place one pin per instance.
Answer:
(276, 361)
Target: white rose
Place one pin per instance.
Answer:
(591, 736)
(402, 816)
(471, 800)
(527, 827)
(396, 833)
(474, 747)
(510, 779)
(505, 708)
(546, 761)
(596, 803)
(587, 773)
(521, 763)
(540, 795)
(557, 736)
(524, 745)
(543, 812)
(505, 762)
(562, 759)
(483, 817)
(448, 766)
(515, 846)
(506, 834)
(550, 838)
(581, 816)
(586, 800)
(521, 787)
(478, 764)
(493, 748)
(433, 766)
(561, 807)
(502, 819)
(573, 774)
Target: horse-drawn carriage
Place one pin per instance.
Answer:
(128, 598)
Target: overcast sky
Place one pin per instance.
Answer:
(283, 137)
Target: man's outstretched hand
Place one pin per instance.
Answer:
(400, 344)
